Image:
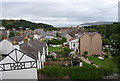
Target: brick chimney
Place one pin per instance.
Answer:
(26, 39)
(15, 45)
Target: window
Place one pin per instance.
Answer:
(73, 45)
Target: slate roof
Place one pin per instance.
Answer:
(40, 32)
(17, 38)
(89, 33)
(72, 33)
(29, 51)
(50, 33)
(73, 38)
(33, 47)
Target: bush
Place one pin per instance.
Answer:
(66, 51)
(53, 71)
(106, 56)
(50, 56)
(86, 72)
(57, 42)
(85, 54)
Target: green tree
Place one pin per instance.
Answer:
(85, 53)
(106, 42)
(66, 51)
(11, 34)
(106, 50)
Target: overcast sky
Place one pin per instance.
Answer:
(60, 12)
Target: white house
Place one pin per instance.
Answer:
(22, 60)
(74, 44)
(37, 36)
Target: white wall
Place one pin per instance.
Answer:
(20, 74)
(71, 44)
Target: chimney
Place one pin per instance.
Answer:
(15, 45)
(26, 39)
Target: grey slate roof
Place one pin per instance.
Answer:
(29, 51)
(17, 38)
(33, 47)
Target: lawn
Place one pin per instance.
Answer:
(108, 62)
(54, 49)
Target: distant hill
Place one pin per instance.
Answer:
(17, 24)
(95, 23)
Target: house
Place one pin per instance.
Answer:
(68, 37)
(86, 41)
(63, 32)
(73, 33)
(90, 42)
(74, 44)
(50, 35)
(22, 59)
(18, 65)
(39, 33)
(37, 36)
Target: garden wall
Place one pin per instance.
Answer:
(57, 63)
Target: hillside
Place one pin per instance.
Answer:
(17, 24)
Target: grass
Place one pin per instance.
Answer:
(108, 62)
(54, 49)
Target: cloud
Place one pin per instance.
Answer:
(61, 12)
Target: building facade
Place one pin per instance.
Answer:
(90, 42)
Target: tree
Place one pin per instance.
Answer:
(64, 39)
(9, 25)
(106, 50)
(57, 42)
(66, 51)
(11, 34)
(85, 54)
(57, 35)
(106, 42)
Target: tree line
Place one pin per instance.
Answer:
(23, 24)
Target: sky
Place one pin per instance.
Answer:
(60, 13)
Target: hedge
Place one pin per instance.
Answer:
(86, 72)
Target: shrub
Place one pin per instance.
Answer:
(85, 54)
(53, 71)
(106, 56)
(86, 72)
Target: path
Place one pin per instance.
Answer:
(87, 61)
